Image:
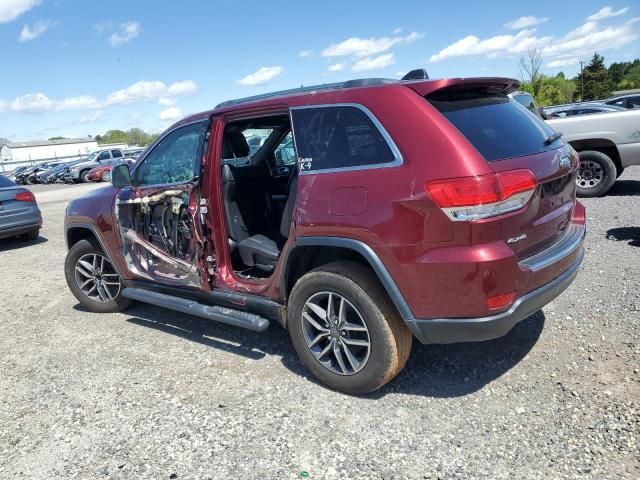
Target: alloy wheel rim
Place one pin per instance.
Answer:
(336, 333)
(590, 175)
(96, 278)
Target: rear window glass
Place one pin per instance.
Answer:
(338, 137)
(5, 182)
(497, 126)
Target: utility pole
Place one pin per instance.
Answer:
(581, 82)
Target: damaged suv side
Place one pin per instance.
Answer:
(356, 215)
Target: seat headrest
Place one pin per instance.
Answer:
(235, 145)
(227, 174)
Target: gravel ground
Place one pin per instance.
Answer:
(153, 394)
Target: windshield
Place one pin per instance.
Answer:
(497, 126)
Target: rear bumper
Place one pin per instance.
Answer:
(454, 330)
(19, 230)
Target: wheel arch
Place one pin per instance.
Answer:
(76, 232)
(313, 252)
(602, 145)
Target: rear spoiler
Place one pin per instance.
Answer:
(504, 85)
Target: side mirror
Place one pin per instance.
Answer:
(120, 176)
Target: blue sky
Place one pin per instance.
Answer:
(75, 68)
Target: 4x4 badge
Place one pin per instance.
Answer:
(517, 239)
(565, 162)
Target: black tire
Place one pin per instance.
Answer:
(390, 339)
(77, 252)
(597, 174)
(30, 235)
(84, 176)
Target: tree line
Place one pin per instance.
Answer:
(133, 136)
(595, 82)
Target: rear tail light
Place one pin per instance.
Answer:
(484, 196)
(500, 301)
(25, 197)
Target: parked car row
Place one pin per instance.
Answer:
(613, 104)
(77, 170)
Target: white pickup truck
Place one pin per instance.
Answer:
(607, 143)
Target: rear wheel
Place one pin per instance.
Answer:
(346, 330)
(597, 174)
(93, 280)
(84, 176)
(106, 176)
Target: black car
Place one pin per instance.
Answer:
(624, 101)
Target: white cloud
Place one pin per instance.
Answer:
(166, 101)
(171, 113)
(261, 76)
(12, 9)
(305, 53)
(563, 62)
(186, 87)
(336, 67)
(32, 103)
(365, 47)
(583, 40)
(610, 37)
(143, 91)
(374, 63)
(38, 28)
(92, 117)
(398, 31)
(139, 91)
(127, 32)
(492, 46)
(525, 22)
(606, 12)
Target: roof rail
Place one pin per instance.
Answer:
(362, 82)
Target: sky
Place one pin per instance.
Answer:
(75, 68)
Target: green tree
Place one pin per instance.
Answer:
(595, 78)
(57, 138)
(137, 136)
(631, 78)
(548, 95)
(114, 136)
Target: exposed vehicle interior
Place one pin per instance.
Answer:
(259, 183)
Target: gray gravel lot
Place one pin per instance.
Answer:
(153, 394)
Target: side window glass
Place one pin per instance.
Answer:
(104, 156)
(285, 153)
(256, 138)
(175, 159)
(338, 137)
(116, 153)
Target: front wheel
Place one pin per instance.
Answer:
(345, 329)
(93, 280)
(106, 176)
(84, 177)
(597, 174)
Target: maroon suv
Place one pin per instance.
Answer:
(371, 212)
